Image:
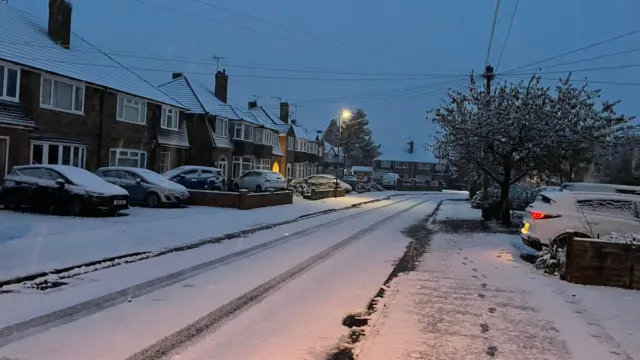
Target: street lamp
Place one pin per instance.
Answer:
(344, 115)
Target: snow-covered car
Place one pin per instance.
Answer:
(69, 188)
(198, 177)
(145, 186)
(554, 216)
(259, 180)
(598, 187)
(326, 180)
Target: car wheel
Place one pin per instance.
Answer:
(258, 188)
(236, 187)
(152, 200)
(563, 240)
(9, 202)
(76, 208)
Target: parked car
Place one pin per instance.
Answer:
(258, 180)
(390, 180)
(198, 177)
(145, 186)
(69, 188)
(327, 181)
(349, 179)
(554, 216)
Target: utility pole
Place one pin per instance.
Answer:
(217, 59)
(488, 76)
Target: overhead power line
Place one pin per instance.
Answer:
(576, 80)
(590, 59)
(493, 31)
(604, 68)
(574, 51)
(506, 38)
(231, 64)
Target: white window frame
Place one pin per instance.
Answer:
(291, 143)
(424, 166)
(224, 127)
(385, 164)
(175, 113)
(142, 109)
(239, 160)
(237, 125)
(75, 85)
(81, 149)
(401, 165)
(223, 165)
(320, 150)
(4, 76)
(258, 135)
(439, 167)
(142, 163)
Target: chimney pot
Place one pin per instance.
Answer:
(176, 75)
(284, 112)
(411, 147)
(253, 104)
(221, 85)
(59, 27)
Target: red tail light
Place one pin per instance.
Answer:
(539, 215)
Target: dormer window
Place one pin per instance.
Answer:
(170, 118)
(9, 82)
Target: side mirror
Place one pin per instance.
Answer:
(60, 182)
(138, 181)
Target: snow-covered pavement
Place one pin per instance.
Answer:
(31, 242)
(285, 301)
(473, 298)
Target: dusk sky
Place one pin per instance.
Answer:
(419, 46)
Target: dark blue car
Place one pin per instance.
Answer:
(198, 177)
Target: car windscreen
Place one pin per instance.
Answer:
(153, 177)
(173, 172)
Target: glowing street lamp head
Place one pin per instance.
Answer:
(346, 114)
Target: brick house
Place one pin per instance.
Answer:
(220, 134)
(303, 153)
(411, 164)
(62, 101)
(330, 158)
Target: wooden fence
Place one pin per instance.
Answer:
(594, 262)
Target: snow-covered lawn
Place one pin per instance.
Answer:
(457, 210)
(301, 320)
(31, 242)
(473, 296)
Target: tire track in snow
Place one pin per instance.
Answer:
(172, 344)
(21, 330)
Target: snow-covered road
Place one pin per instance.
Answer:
(282, 301)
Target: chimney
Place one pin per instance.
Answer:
(176, 75)
(221, 85)
(410, 147)
(253, 104)
(60, 22)
(284, 112)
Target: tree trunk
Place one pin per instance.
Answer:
(505, 214)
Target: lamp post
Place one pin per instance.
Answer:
(344, 114)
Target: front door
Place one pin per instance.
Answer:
(4, 154)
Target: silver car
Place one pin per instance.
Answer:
(145, 186)
(258, 180)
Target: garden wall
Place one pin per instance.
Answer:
(242, 200)
(324, 193)
(593, 262)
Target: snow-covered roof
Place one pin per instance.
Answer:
(199, 98)
(277, 150)
(24, 40)
(265, 116)
(179, 138)
(13, 115)
(419, 154)
(330, 148)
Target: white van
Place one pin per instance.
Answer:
(390, 180)
(602, 188)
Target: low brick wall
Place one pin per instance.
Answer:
(593, 262)
(324, 193)
(242, 200)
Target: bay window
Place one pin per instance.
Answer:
(259, 135)
(242, 131)
(9, 82)
(401, 165)
(248, 132)
(424, 166)
(385, 164)
(58, 94)
(222, 127)
(262, 164)
(54, 153)
(241, 165)
(131, 110)
(128, 158)
(170, 118)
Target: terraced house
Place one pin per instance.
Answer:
(411, 163)
(303, 153)
(222, 135)
(63, 101)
